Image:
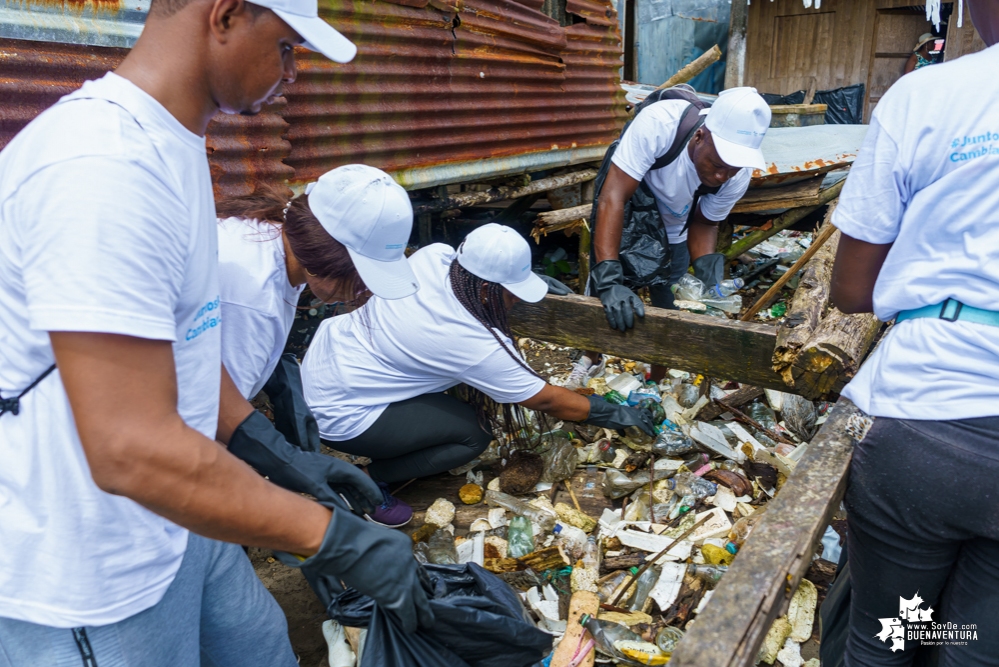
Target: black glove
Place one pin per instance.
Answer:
(257, 442)
(610, 415)
(375, 560)
(709, 269)
(292, 416)
(620, 303)
(554, 286)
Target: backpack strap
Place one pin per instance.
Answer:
(698, 193)
(13, 405)
(690, 122)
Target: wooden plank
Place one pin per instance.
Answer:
(963, 40)
(582, 602)
(723, 349)
(760, 582)
(802, 193)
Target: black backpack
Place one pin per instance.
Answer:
(644, 252)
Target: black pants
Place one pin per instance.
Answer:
(923, 512)
(418, 437)
(661, 296)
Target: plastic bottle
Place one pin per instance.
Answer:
(711, 574)
(605, 633)
(763, 415)
(638, 437)
(520, 537)
(730, 304)
(696, 462)
(586, 572)
(740, 531)
(591, 555)
(688, 484)
(688, 288)
(727, 287)
(441, 549)
(609, 584)
(615, 398)
(606, 450)
(539, 516)
(646, 583)
(668, 638)
(672, 442)
(572, 540)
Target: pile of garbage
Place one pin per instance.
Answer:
(676, 510)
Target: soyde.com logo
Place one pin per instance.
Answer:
(915, 624)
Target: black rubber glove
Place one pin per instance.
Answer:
(292, 416)
(554, 286)
(610, 415)
(709, 269)
(257, 442)
(620, 303)
(375, 560)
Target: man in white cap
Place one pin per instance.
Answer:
(675, 173)
(121, 515)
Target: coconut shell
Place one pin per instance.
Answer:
(740, 485)
(522, 473)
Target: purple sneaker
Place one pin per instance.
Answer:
(392, 513)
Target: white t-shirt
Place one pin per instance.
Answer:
(258, 302)
(390, 351)
(106, 225)
(649, 136)
(927, 180)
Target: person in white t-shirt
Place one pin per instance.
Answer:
(687, 198)
(344, 236)
(374, 378)
(919, 216)
(114, 494)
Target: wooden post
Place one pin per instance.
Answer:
(765, 574)
(735, 59)
(585, 239)
(732, 350)
(692, 69)
(834, 352)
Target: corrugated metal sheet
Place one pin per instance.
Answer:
(440, 92)
(34, 75)
(451, 86)
(796, 153)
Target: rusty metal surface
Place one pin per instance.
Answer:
(797, 153)
(115, 23)
(34, 75)
(447, 85)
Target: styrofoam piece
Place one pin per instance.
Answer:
(624, 383)
(724, 498)
(654, 544)
(744, 436)
(667, 588)
(547, 610)
(340, 653)
(712, 438)
(497, 517)
(718, 525)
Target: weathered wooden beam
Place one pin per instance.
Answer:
(736, 399)
(766, 572)
(723, 349)
(802, 193)
(833, 353)
(695, 67)
(463, 199)
(552, 218)
(735, 61)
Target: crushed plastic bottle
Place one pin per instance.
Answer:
(645, 584)
(727, 287)
(587, 570)
(688, 288)
(614, 397)
(571, 539)
(520, 537)
(440, 548)
(559, 461)
(606, 450)
(539, 516)
(687, 394)
(668, 638)
(763, 415)
(606, 633)
(646, 392)
(671, 441)
(688, 484)
(608, 585)
(616, 484)
(710, 574)
(730, 304)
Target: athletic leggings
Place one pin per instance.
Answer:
(923, 518)
(418, 437)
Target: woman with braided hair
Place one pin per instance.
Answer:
(375, 378)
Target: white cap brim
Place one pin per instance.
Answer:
(532, 289)
(735, 155)
(320, 36)
(388, 280)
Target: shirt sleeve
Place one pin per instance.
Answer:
(644, 139)
(873, 199)
(99, 257)
(249, 338)
(501, 378)
(717, 206)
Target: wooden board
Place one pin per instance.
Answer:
(760, 582)
(963, 40)
(802, 193)
(582, 602)
(723, 349)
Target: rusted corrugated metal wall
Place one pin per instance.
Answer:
(450, 82)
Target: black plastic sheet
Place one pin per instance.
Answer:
(479, 622)
(845, 106)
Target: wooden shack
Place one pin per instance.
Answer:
(789, 47)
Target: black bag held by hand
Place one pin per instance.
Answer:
(479, 622)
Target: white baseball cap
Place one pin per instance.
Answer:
(370, 214)
(498, 254)
(738, 121)
(319, 36)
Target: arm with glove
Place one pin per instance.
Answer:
(561, 403)
(621, 304)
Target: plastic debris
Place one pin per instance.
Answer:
(441, 513)
(340, 653)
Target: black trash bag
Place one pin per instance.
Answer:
(479, 622)
(845, 105)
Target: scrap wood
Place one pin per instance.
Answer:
(802, 193)
(465, 199)
(738, 398)
(746, 419)
(834, 352)
(783, 222)
(827, 231)
(688, 72)
(582, 603)
(648, 564)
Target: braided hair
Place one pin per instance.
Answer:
(484, 300)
